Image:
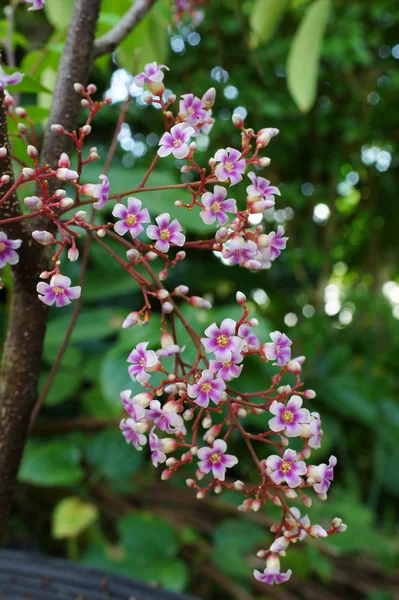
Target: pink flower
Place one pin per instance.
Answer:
(192, 109)
(166, 420)
(133, 432)
(276, 242)
(315, 431)
(222, 341)
(214, 459)
(152, 74)
(239, 251)
(166, 233)
(251, 340)
(279, 349)
(36, 4)
(207, 388)
(8, 256)
(141, 359)
(230, 165)
(158, 456)
(176, 141)
(227, 370)
(12, 79)
(170, 350)
(287, 468)
(261, 187)
(216, 205)
(59, 290)
(288, 417)
(134, 409)
(101, 191)
(131, 217)
(272, 575)
(325, 475)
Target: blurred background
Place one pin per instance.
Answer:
(84, 493)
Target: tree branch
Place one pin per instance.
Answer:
(110, 40)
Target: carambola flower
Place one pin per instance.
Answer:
(166, 233)
(192, 109)
(176, 141)
(59, 290)
(239, 251)
(222, 340)
(324, 476)
(227, 370)
(101, 191)
(272, 573)
(286, 468)
(8, 256)
(230, 166)
(251, 340)
(9, 79)
(216, 205)
(279, 349)
(131, 217)
(158, 456)
(214, 459)
(152, 74)
(276, 242)
(261, 187)
(133, 407)
(166, 420)
(288, 417)
(134, 432)
(142, 360)
(207, 388)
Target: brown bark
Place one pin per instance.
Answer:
(27, 320)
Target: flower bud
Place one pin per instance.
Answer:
(273, 562)
(264, 161)
(20, 112)
(181, 290)
(86, 129)
(181, 255)
(171, 462)
(101, 233)
(265, 135)
(156, 87)
(43, 237)
(185, 169)
(178, 203)
(144, 398)
(57, 128)
(107, 100)
(207, 422)
(85, 103)
(256, 505)
(317, 531)
(307, 500)
(162, 295)
(190, 483)
(188, 414)
(309, 394)
(151, 256)
(91, 88)
(79, 88)
(64, 161)
(22, 128)
(280, 544)
(32, 152)
(163, 274)
(290, 494)
(33, 202)
(199, 302)
(167, 307)
(200, 495)
(239, 485)
(3, 152)
(241, 298)
(66, 202)
(252, 322)
(28, 173)
(294, 367)
(132, 254)
(238, 121)
(80, 215)
(130, 320)
(73, 254)
(5, 180)
(167, 474)
(44, 274)
(222, 234)
(209, 97)
(338, 525)
(66, 174)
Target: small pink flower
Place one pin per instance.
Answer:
(287, 468)
(276, 242)
(166, 420)
(216, 205)
(176, 141)
(141, 359)
(134, 409)
(325, 475)
(64, 174)
(133, 432)
(101, 191)
(152, 74)
(279, 349)
(214, 459)
(166, 233)
(59, 290)
(227, 370)
(222, 340)
(239, 251)
(251, 340)
(131, 217)
(230, 166)
(271, 575)
(288, 417)
(315, 431)
(207, 388)
(12, 79)
(158, 456)
(8, 256)
(261, 187)
(192, 109)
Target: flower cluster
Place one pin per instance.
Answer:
(188, 411)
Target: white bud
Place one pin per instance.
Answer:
(80, 215)
(132, 254)
(101, 233)
(45, 238)
(241, 298)
(167, 307)
(86, 129)
(66, 202)
(79, 88)
(28, 173)
(56, 128)
(309, 394)
(181, 290)
(3, 152)
(32, 152)
(20, 112)
(73, 254)
(33, 202)
(162, 295)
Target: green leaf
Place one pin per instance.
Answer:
(71, 516)
(51, 463)
(111, 457)
(59, 12)
(28, 85)
(265, 18)
(93, 324)
(304, 54)
(146, 536)
(233, 541)
(64, 386)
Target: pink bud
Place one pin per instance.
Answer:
(265, 135)
(66, 202)
(190, 483)
(151, 256)
(309, 394)
(181, 255)
(199, 302)
(64, 161)
(5, 179)
(163, 275)
(43, 237)
(28, 173)
(85, 103)
(130, 320)
(181, 290)
(80, 215)
(132, 254)
(3, 152)
(167, 474)
(86, 129)
(66, 175)
(91, 88)
(317, 531)
(79, 88)
(20, 112)
(162, 294)
(57, 128)
(222, 234)
(238, 121)
(73, 254)
(241, 298)
(22, 128)
(167, 307)
(33, 202)
(209, 97)
(32, 152)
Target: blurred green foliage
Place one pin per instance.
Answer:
(337, 170)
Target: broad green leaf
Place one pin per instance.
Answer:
(265, 18)
(111, 457)
(304, 54)
(233, 541)
(71, 516)
(147, 536)
(91, 324)
(59, 12)
(51, 463)
(65, 385)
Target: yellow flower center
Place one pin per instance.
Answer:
(191, 111)
(58, 290)
(222, 340)
(286, 466)
(165, 235)
(215, 458)
(288, 417)
(130, 219)
(2, 246)
(228, 166)
(215, 206)
(227, 365)
(177, 143)
(206, 387)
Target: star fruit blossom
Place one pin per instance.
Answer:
(230, 166)
(216, 460)
(131, 217)
(134, 432)
(192, 109)
(176, 141)
(9, 79)
(36, 4)
(288, 417)
(152, 74)
(222, 340)
(239, 251)
(8, 256)
(215, 206)
(261, 187)
(59, 290)
(288, 468)
(272, 573)
(166, 233)
(142, 360)
(207, 388)
(97, 190)
(279, 349)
